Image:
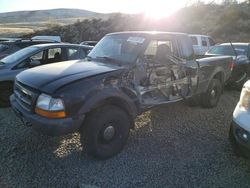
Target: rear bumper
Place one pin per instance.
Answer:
(239, 80)
(47, 126)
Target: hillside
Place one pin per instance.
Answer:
(23, 22)
(224, 22)
(43, 15)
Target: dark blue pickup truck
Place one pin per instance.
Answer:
(124, 75)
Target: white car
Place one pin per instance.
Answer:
(240, 127)
(201, 43)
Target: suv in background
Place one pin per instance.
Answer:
(11, 46)
(201, 44)
(90, 43)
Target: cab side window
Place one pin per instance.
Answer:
(38, 56)
(54, 55)
(211, 42)
(26, 63)
(72, 53)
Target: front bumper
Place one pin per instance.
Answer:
(240, 137)
(53, 127)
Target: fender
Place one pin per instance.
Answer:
(111, 95)
(218, 70)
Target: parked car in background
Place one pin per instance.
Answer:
(33, 56)
(241, 57)
(201, 44)
(239, 133)
(124, 75)
(90, 43)
(44, 37)
(12, 45)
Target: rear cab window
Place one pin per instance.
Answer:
(185, 47)
(153, 45)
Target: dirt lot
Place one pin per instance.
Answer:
(172, 146)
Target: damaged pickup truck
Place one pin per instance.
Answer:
(125, 74)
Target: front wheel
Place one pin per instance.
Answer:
(211, 97)
(105, 131)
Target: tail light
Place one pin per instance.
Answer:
(232, 65)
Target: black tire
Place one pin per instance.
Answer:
(6, 90)
(211, 97)
(106, 118)
(193, 101)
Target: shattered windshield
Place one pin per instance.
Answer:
(122, 48)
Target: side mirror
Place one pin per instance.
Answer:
(35, 63)
(88, 52)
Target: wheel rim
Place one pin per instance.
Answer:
(214, 94)
(109, 133)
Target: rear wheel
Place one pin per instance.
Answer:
(193, 101)
(105, 132)
(211, 97)
(6, 89)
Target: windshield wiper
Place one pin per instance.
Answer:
(109, 59)
(105, 57)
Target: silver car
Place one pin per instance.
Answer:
(33, 56)
(240, 127)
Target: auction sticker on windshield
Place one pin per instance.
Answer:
(139, 40)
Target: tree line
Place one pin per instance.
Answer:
(229, 21)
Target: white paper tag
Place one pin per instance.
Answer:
(139, 40)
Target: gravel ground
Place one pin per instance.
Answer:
(172, 146)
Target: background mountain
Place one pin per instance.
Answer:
(22, 22)
(229, 21)
(43, 15)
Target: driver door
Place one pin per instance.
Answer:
(162, 74)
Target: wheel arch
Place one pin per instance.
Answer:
(111, 97)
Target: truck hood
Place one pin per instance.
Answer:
(48, 78)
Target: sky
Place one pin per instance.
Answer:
(154, 8)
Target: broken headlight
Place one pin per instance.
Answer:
(244, 102)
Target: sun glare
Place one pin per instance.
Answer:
(155, 9)
(160, 10)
